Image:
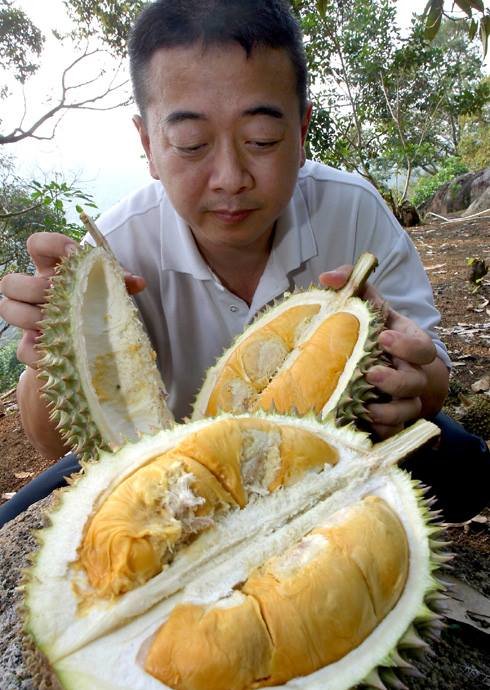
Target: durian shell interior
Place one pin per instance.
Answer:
(101, 380)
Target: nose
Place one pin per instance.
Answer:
(230, 172)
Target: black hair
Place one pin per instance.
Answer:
(250, 23)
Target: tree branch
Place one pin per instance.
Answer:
(20, 133)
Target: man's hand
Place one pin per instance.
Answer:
(25, 295)
(417, 382)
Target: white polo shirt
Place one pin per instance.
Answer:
(191, 317)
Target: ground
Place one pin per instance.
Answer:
(461, 659)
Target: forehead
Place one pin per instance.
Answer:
(197, 77)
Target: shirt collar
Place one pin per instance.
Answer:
(294, 243)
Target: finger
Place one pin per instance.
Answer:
(403, 380)
(26, 349)
(46, 249)
(337, 278)
(20, 314)
(413, 346)
(134, 284)
(396, 413)
(24, 288)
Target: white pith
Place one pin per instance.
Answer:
(209, 568)
(329, 302)
(106, 328)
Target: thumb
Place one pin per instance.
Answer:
(134, 284)
(336, 278)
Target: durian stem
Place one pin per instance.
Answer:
(408, 440)
(363, 268)
(96, 234)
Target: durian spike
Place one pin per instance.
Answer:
(363, 268)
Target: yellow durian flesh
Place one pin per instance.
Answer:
(307, 353)
(254, 362)
(138, 528)
(300, 611)
(310, 380)
(275, 369)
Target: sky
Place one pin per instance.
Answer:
(100, 150)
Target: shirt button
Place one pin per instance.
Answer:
(233, 308)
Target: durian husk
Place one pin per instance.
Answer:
(100, 377)
(309, 352)
(104, 643)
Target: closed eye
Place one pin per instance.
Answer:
(190, 149)
(264, 144)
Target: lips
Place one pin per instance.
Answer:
(230, 217)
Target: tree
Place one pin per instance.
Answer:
(29, 206)
(474, 144)
(434, 13)
(92, 79)
(387, 104)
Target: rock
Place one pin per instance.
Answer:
(16, 543)
(458, 194)
(482, 203)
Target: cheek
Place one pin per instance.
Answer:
(184, 185)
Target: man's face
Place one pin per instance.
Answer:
(224, 135)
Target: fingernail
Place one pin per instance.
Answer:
(375, 376)
(70, 248)
(387, 339)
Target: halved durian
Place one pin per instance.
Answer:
(308, 353)
(101, 380)
(309, 575)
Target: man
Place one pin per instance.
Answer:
(236, 216)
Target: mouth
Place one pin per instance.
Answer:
(230, 217)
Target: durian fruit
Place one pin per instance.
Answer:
(237, 553)
(99, 371)
(475, 414)
(308, 353)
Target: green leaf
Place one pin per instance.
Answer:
(465, 5)
(434, 10)
(473, 28)
(47, 200)
(485, 32)
(476, 4)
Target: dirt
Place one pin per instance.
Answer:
(460, 659)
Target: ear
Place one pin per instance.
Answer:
(146, 144)
(305, 123)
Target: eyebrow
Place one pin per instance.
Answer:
(182, 115)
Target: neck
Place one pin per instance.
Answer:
(239, 268)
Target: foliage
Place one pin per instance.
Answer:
(427, 185)
(110, 19)
(474, 145)
(29, 207)
(434, 13)
(20, 42)
(10, 367)
(387, 105)
(90, 79)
